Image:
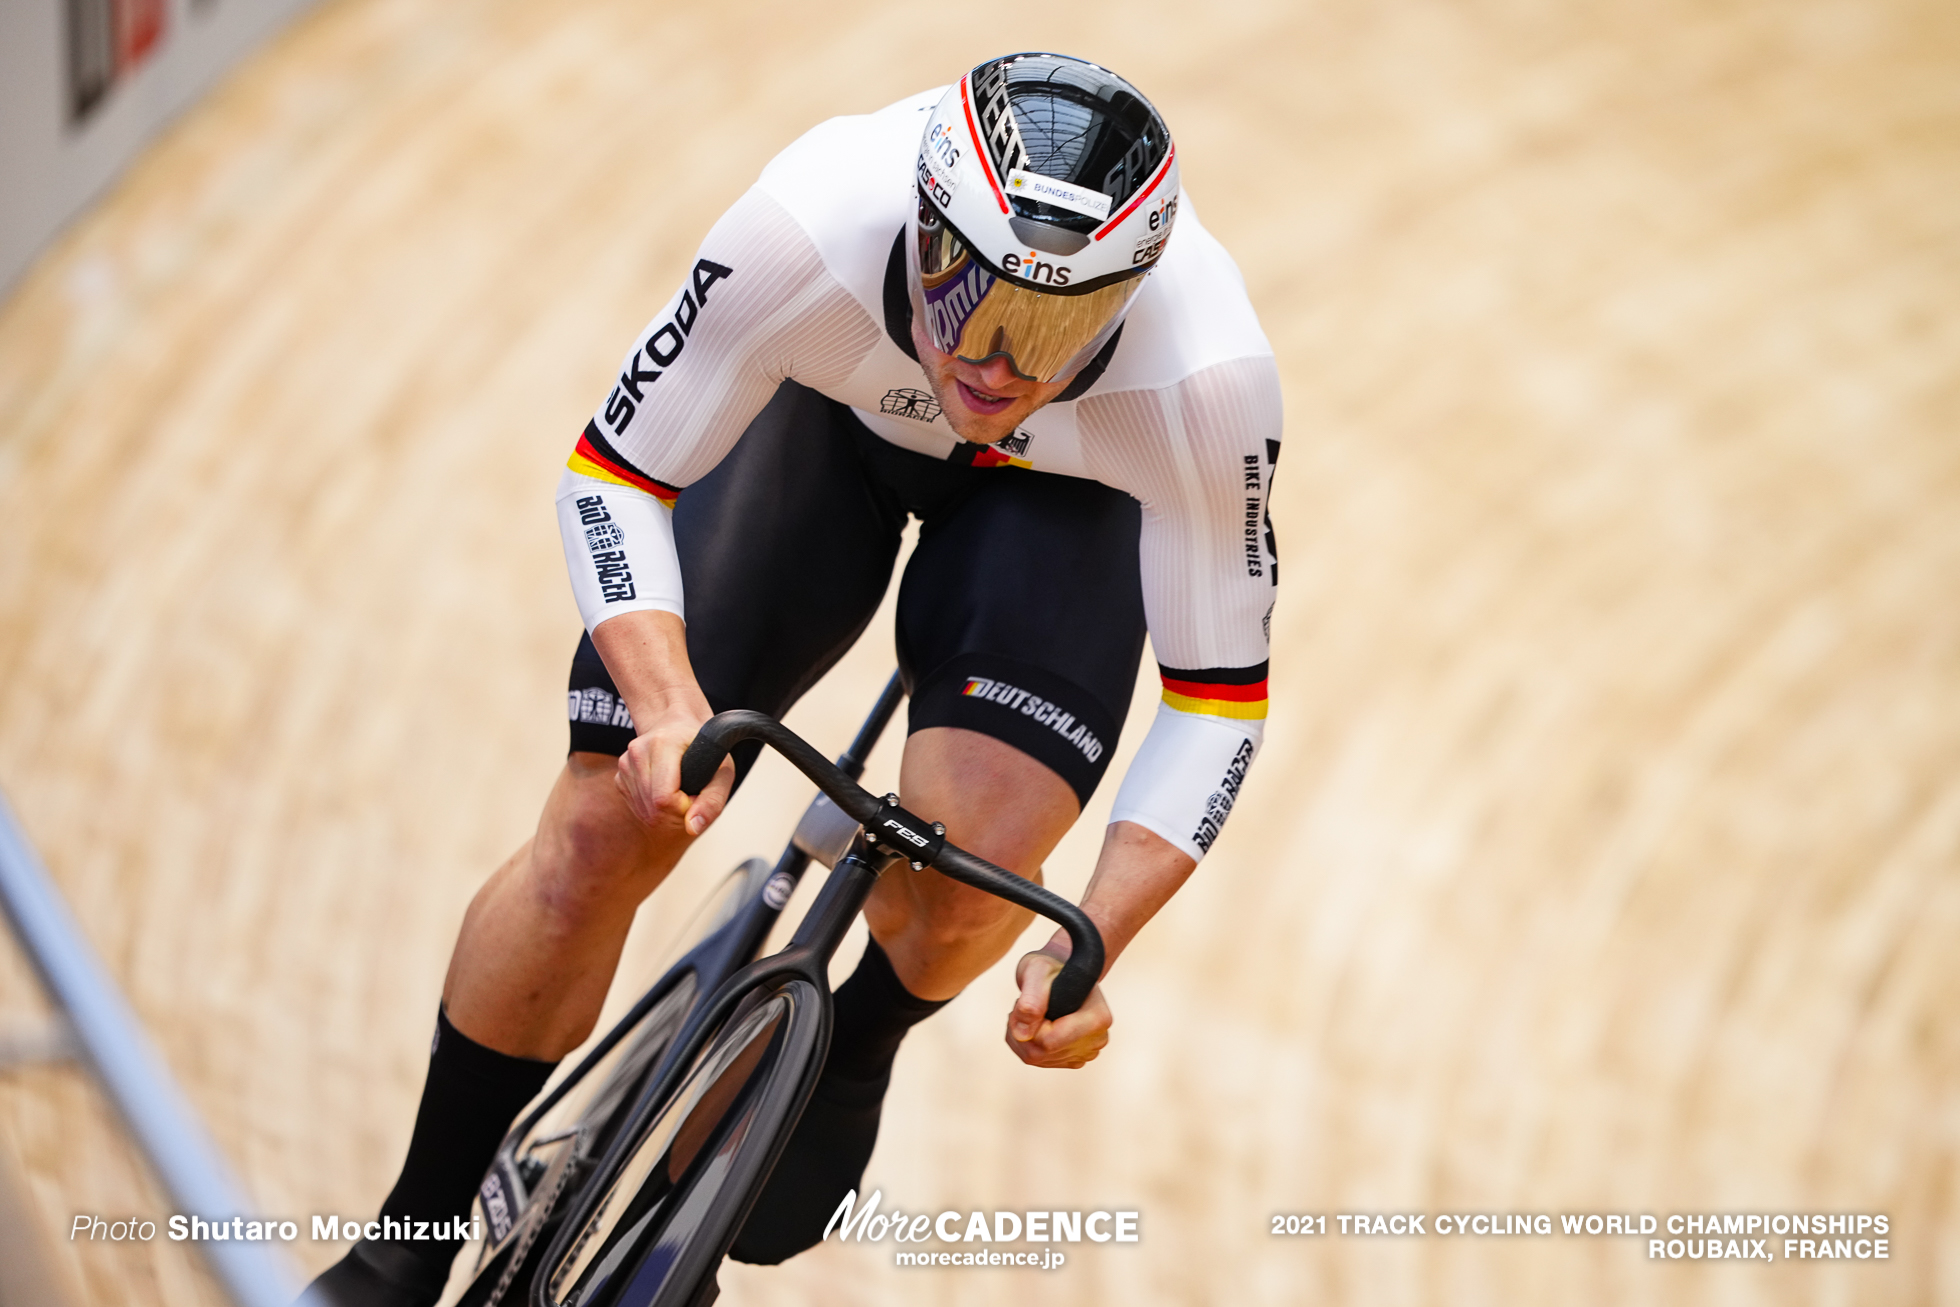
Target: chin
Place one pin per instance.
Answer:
(987, 431)
(965, 423)
(977, 428)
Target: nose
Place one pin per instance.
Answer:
(997, 374)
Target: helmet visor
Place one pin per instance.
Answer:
(975, 315)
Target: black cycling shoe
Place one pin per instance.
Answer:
(376, 1274)
(823, 1161)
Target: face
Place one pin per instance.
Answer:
(983, 402)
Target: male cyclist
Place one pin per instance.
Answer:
(966, 308)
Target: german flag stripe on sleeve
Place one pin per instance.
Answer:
(1217, 691)
(595, 457)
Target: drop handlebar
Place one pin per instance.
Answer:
(724, 731)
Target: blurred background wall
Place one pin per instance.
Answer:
(85, 84)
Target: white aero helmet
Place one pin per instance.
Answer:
(1047, 188)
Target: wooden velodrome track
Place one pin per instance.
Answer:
(1605, 852)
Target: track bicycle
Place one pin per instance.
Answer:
(555, 1147)
(626, 1184)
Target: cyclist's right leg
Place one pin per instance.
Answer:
(786, 549)
(540, 941)
(526, 983)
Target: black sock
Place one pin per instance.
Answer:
(468, 1102)
(870, 1014)
(826, 1156)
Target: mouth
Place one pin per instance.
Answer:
(982, 402)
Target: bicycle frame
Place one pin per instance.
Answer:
(805, 958)
(882, 833)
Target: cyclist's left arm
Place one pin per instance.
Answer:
(1136, 875)
(1200, 456)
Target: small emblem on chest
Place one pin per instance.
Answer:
(917, 405)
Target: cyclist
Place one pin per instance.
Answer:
(966, 308)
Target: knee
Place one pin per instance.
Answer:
(951, 922)
(591, 857)
(996, 801)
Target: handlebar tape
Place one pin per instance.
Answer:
(724, 731)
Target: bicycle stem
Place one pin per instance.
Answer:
(841, 898)
(724, 731)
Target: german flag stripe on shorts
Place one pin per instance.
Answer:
(595, 457)
(1217, 691)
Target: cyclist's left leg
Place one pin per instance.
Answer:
(1020, 631)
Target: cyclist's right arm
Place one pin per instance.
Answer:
(646, 654)
(757, 306)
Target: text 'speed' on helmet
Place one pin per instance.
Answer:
(1047, 189)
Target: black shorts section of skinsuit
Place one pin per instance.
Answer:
(1020, 614)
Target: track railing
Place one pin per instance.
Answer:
(97, 1027)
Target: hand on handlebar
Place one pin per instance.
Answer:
(649, 777)
(1069, 1042)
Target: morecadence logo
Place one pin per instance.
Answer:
(855, 1222)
